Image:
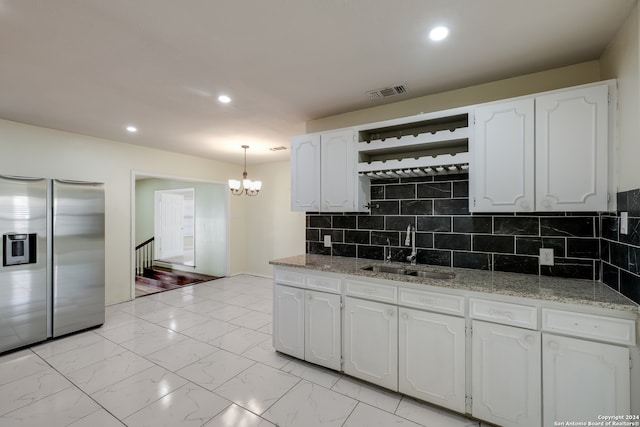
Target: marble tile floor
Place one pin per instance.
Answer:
(196, 356)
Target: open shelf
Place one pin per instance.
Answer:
(434, 146)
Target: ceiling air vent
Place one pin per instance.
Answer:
(278, 148)
(387, 92)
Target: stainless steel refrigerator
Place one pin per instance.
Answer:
(52, 272)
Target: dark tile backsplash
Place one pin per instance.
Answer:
(620, 253)
(587, 245)
(447, 235)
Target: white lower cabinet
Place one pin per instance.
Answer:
(288, 320)
(506, 374)
(583, 379)
(431, 354)
(530, 365)
(322, 331)
(307, 325)
(371, 341)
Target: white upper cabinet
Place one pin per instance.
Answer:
(503, 157)
(547, 152)
(571, 150)
(324, 173)
(338, 173)
(305, 173)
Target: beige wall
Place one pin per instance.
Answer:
(39, 152)
(558, 78)
(273, 231)
(621, 61)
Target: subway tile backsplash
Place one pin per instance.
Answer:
(448, 235)
(620, 253)
(587, 245)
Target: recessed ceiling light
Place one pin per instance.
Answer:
(438, 33)
(224, 99)
(132, 129)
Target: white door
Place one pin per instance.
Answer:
(371, 342)
(338, 172)
(322, 335)
(305, 173)
(571, 150)
(288, 320)
(502, 169)
(583, 379)
(170, 227)
(431, 355)
(506, 369)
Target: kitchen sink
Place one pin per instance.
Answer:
(385, 269)
(430, 274)
(376, 268)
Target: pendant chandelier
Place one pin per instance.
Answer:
(246, 186)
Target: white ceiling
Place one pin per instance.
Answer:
(95, 66)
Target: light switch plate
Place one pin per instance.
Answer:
(327, 240)
(546, 256)
(624, 222)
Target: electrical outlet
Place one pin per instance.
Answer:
(546, 256)
(624, 222)
(327, 240)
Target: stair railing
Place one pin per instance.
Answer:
(144, 255)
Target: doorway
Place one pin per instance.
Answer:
(204, 220)
(174, 234)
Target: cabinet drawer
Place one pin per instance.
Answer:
(323, 283)
(443, 303)
(601, 328)
(508, 314)
(291, 278)
(371, 291)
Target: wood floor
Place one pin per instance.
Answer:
(159, 279)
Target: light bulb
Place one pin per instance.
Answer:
(439, 33)
(234, 184)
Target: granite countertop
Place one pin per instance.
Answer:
(573, 291)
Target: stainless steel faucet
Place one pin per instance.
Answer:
(387, 251)
(411, 241)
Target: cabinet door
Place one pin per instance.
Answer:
(371, 342)
(571, 150)
(506, 369)
(338, 172)
(583, 379)
(431, 355)
(503, 158)
(322, 336)
(305, 173)
(288, 320)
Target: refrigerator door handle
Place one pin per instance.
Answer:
(69, 181)
(21, 178)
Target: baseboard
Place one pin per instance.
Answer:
(252, 274)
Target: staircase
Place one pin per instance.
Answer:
(151, 278)
(158, 279)
(144, 255)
